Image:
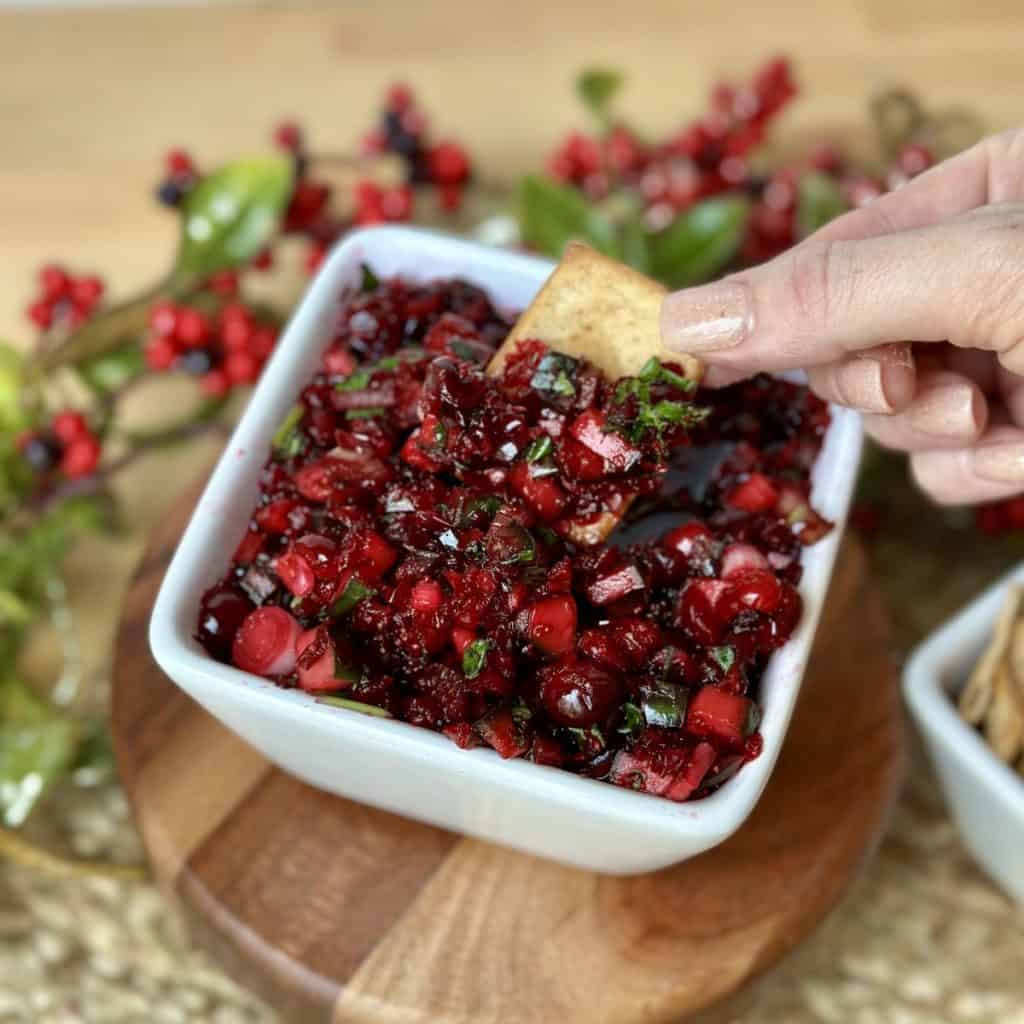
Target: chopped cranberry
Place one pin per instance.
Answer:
(755, 494)
(265, 642)
(722, 716)
(551, 624)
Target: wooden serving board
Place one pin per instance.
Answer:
(336, 912)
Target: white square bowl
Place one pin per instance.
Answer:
(409, 770)
(985, 796)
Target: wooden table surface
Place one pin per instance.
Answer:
(90, 99)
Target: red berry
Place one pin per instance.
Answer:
(396, 203)
(739, 558)
(80, 457)
(296, 573)
(262, 343)
(241, 367)
(86, 292)
(315, 256)
(224, 282)
(160, 353)
(179, 163)
(759, 589)
(192, 328)
(551, 623)
(215, 383)
(163, 318)
(399, 98)
(374, 143)
(288, 136)
(41, 314)
(69, 426)
(54, 281)
(579, 694)
(448, 164)
(426, 596)
(725, 717)
(265, 642)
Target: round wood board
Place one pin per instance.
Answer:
(337, 912)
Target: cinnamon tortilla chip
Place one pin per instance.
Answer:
(977, 694)
(601, 310)
(1004, 723)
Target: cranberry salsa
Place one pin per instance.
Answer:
(416, 551)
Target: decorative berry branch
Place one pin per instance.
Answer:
(685, 209)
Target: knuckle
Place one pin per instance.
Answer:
(930, 478)
(815, 283)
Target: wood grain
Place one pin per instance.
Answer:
(337, 912)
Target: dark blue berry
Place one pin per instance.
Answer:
(195, 361)
(41, 452)
(169, 192)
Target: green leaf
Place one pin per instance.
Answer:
(344, 672)
(596, 88)
(287, 440)
(109, 371)
(700, 243)
(12, 382)
(636, 248)
(551, 215)
(725, 656)
(354, 592)
(231, 214)
(37, 748)
(819, 200)
(369, 280)
(358, 381)
(664, 705)
(355, 705)
(539, 449)
(634, 720)
(474, 658)
(555, 374)
(366, 414)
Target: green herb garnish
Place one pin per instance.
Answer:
(653, 416)
(474, 658)
(725, 656)
(358, 381)
(539, 449)
(663, 705)
(634, 720)
(355, 705)
(440, 435)
(366, 414)
(288, 439)
(369, 280)
(555, 374)
(345, 672)
(354, 592)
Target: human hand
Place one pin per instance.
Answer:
(939, 261)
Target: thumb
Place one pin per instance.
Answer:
(960, 281)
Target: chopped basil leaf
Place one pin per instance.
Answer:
(474, 657)
(725, 656)
(369, 280)
(355, 381)
(586, 737)
(354, 592)
(521, 712)
(663, 705)
(365, 414)
(345, 672)
(536, 472)
(464, 350)
(539, 449)
(547, 534)
(554, 375)
(387, 363)
(653, 371)
(634, 720)
(355, 705)
(524, 549)
(489, 505)
(288, 441)
(440, 435)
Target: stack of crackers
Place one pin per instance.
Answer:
(993, 699)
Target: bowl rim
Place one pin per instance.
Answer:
(935, 671)
(714, 817)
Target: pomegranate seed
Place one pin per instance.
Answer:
(69, 425)
(448, 164)
(81, 457)
(265, 642)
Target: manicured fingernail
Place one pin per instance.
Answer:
(1001, 463)
(948, 410)
(707, 319)
(859, 385)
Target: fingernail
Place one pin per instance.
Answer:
(948, 410)
(707, 319)
(1001, 463)
(860, 385)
